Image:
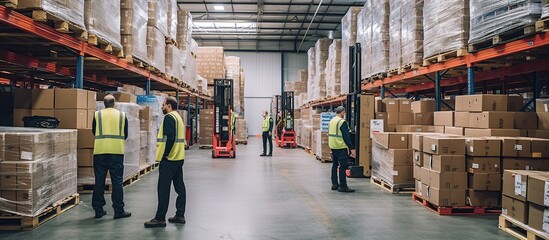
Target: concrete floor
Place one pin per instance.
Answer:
(286, 196)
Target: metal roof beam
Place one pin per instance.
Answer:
(267, 3)
(282, 14)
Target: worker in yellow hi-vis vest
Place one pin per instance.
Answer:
(340, 144)
(110, 128)
(170, 152)
(266, 134)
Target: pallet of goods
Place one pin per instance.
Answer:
(102, 20)
(406, 36)
(373, 28)
(348, 38)
(133, 30)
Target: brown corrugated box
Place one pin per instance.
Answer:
(392, 105)
(22, 98)
(85, 157)
(43, 98)
(418, 158)
(443, 145)
(481, 102)
(525, 120)
(542, 105)
(514, 208)
(540, 147)
(492, 120)
(92, 100)
(71, 98)
(543, 120)
(392, 140)
(483, 164)
(72, 118)
(462, 119)
(424, 106)
(417, 172)
(515, 183)
(525, 164)
(516, 147)
(537, 217)
(483, 147)
(514, 103)
(379, 105)
(539, 134)
(443, 118)
(474, 132)
(485, 181)
(405, 106)
(424, 118)
(86, 139)
(43, 112)
(125, 97)
(392, 118)
(483, 198)
(445, 180)
(444, 197)
(405, 118)
(459, 131)
(537, 188)
(444, 163)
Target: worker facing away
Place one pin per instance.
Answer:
(267, 129)
(110, 128)
(170, 152)
(289, 122)
(340, 144)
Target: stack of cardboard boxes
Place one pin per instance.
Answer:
(320, 135)
(394, 111)
(241, 130)
(206, 124)
(392, 159)
(233, 67)
(317, 65)
(525, 198)
(348, 38)
(211, 63)
(484, 171)
(333, 69)
(133, 29)
(299, 87)
(364, 150)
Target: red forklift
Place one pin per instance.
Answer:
(224, 143)
(283, 106)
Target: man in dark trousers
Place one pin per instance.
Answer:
(110, 128)
(267, 129)
(170, 151)
(340, 144)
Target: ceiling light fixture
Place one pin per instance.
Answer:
(219, 7)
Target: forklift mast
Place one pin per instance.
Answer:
(288, 107)
(352, 114)
(223, 102)
(276, 104)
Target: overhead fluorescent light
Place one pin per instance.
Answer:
(219, 7)
(225, 27)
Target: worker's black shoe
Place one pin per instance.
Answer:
(345, 189)
(154, 223)
(335, 187)
(100, 214)
(270, 155)
(122, 215)
(263, 155)
(177, 219)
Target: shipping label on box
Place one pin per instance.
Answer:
(441, 145)
(376, 126)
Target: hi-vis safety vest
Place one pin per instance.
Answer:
(335, 138)
(265, 126)
(178, 150)
(289, 122)
(109, 131)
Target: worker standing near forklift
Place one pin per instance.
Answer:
(170, 152)
(267, 128)
(289, 122)
(339, 141)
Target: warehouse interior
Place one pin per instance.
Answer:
(429, 119)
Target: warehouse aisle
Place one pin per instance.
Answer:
(287, 196)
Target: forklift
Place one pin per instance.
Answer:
(352, 113)
(284, 109)
(224, 142)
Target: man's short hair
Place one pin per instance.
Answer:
(340, 109)
(109, 100)
(172, 102)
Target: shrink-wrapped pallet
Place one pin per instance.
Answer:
(211, 63)
(71, 11)
(184, 28)
(544, 9)
(348, 38)
(445, 26)
(376, 23)
(133, 28)
(364, 39)
(38, 168)
(158, 15)
(189, 69)
(102, 19)
(492, 17)
(202, 84)
(156, 48)
(322, 150)
(173, 62)
(321, 56)
(154, 103)
(393, 166)
(241, 130)
(333, 69)
(172, 19)
(406, 33)
(312, 73)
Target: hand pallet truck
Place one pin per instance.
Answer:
(284, 109)
(224, 142)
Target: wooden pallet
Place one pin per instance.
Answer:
(503, 38)
(392, 72)
(392, 188)
(12, 222)
(443, 57)
(105, 46)
(242, 142)
(205, 146)
(377, 76)
(459, 210)
(88, 188)
(9, 3)
(409, 67)
(171, 41)
(146, 170)
(59, 24)
(136, 61)
(542, 25)
(520, 230)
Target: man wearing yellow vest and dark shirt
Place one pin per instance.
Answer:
(340, 144)
(110, 128)
(267, 129)
(170, 151)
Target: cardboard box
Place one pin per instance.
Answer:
(444, 197)
(483, 164)
(86, 139)
(514, 103)
(473, 132)
(481, 102)
(444, 180)
(85, 157)
(461, 119)
(416, 128)
(9, 195)
(401, 157)
(89, 118)
(525, 164)
(392, 105)
(71, 98)
(459, 131)
(367, 107)
(516, 147)
(525, 120)
(543, 120)
(43, 112)
(125, 97)
(485, 181)
(425, 118)
(18, 115)
(8, 182)
(43, 98)
(493, 120)
(419, 188)
(424, 106)
(405, 118)
(22, 98)
(483, 198)
(483, 147)
(538, 217)
(403, 174)
(542, 105)
(515, 183)
(537, 189)
(393, 118)
(417, 172)
(540, 148)
(514, 208)
(538, 134)
(392, 140)
(444, 118)
(72, 118)
(405, 106)
(92, 100)
(444, 163)
(418, 158)
(443, 145)
(439, 129)
(379, 105)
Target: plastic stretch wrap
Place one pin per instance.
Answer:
(321, 56)
(362, 38)
(211, 63)
(322, 149)
(184, 28)
(202, 84)
(333, 69)
(348, 38)
(312, 73)
(445, 26)
(241, 129)
(70, 10)
(143, 150)
(156, 48)
(405, 32)
(155, 106)
(376, 24)
(134, 28)
(189, 69)
(102, 18)
(172, 19)
(493, 17)
(174, 68)
(158, 15)
(544, 9)
(38, 170)
(395, 34)
(383, 165)
(232, 69)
